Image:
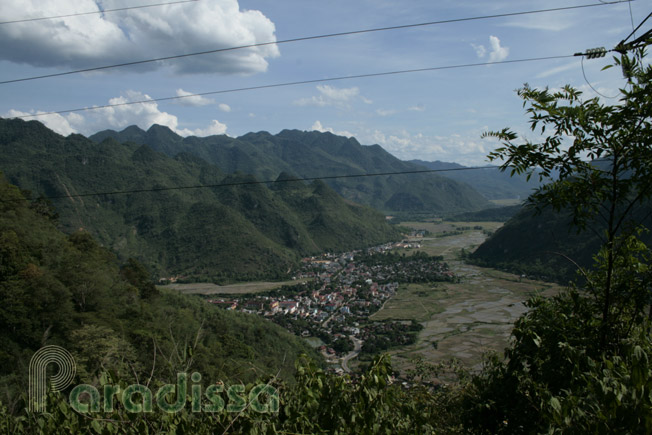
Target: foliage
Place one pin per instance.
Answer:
(319, 403)
(244, 231)
(618, 174)
(578, 362)
(293, 153)
(69, 291)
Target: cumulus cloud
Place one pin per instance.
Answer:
(467, 149)
(101, 39)
(215, 127)
(332, 96)
(318, 127)
(192, 100)
(123, 114)
(497, 53)
(224, 107)
(56, 122)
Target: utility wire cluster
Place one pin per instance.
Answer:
(307, 38)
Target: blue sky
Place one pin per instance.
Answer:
(436, 115)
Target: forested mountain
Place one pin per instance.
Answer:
(245, 230)
(67, 290)
(490, 182)
(315, 154)
(538, 244)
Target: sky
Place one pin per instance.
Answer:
(430, 115)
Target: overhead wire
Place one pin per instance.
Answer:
(77, 14)
(308, 38)
(295, 83)
(252, 182)
(624, 41)
(152, 100)
(591, 86)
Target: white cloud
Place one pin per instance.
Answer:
(318, 127)
(556, 70)
(125, 114)
(224, 107)
(332, 96)
(465, 148)
(498, 53)
(384, 112)
(118, 117)
(337, 94)
(417, 108)
(55, 122)
(551, 22)
(101, 39)
(214, 128)
(192, 100)
(607, 94)
(480, 50)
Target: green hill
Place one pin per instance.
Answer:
(67, 290)
(315, 154)
(537, 244)
(244, 231)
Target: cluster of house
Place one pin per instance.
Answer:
(337, 293)
(340, 291)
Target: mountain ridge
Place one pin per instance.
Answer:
(244, 230)
(317, 154)
(489, 181)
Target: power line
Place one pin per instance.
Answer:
(254, 182)
(624, 46)
(96, 12)
(637, 27)
(308, 38)
(590, 85)
(301, 82)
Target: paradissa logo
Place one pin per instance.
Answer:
(136, 398)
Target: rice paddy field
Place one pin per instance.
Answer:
(461, 320)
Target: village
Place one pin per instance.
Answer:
(336, 294)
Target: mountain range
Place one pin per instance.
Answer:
(490, 182)
(239, 229)
(314, 154)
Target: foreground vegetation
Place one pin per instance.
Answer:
(68, 291)
(578, 362)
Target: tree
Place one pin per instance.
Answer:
(578, 362)
(603, 157)
(136, 274)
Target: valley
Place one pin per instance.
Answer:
(352, 305)
(463, 319)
